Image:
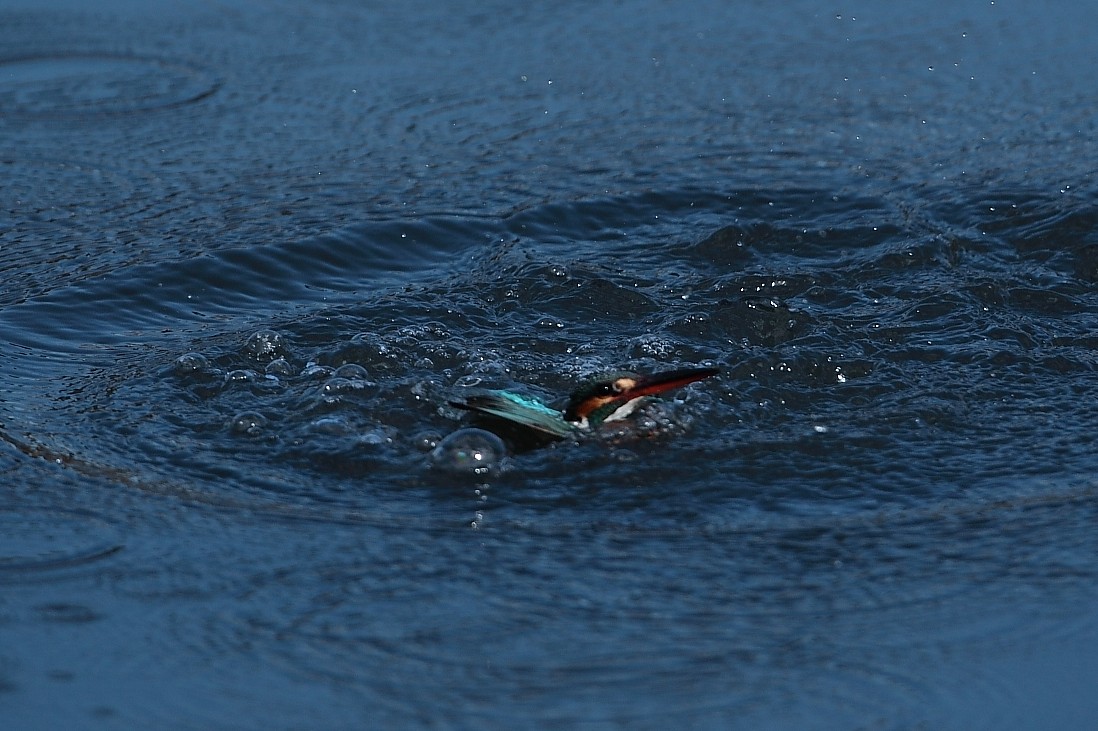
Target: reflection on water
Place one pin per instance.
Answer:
(248, 276)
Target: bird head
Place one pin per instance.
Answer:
(616, 395)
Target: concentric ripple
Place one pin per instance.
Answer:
(448, 613)
(393, 318)
(35, 541)
(79, 85)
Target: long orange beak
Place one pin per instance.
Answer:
(660, 382)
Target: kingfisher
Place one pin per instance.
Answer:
(611, 397)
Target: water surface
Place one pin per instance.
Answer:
(252, 251)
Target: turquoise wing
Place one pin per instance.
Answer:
(519, 410)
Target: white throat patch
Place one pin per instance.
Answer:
(625, 410)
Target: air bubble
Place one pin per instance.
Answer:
(426, 440)
(191, 364)
(241, 375)
(316, 372)
(352, 371)
(336, 386)
(248, 423)
(473, 452)
(331, 426)
(374, 438)
(265, 345)
(279, 367)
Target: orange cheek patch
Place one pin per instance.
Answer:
(593, 404)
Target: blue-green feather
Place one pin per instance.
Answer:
(520, 410)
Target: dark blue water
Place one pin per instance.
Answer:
(251, 252)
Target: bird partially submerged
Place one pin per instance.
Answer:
(610, 398)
